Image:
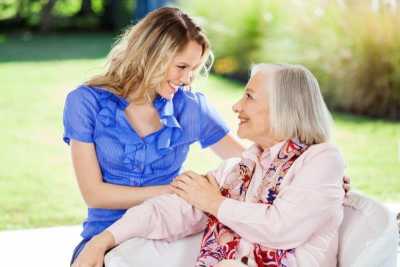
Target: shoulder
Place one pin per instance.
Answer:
(323, 161)
(192, 98)
(325, 152)
(86, 96)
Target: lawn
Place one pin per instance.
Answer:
(37, 185)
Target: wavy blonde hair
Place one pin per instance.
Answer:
(139, 60)
(296, 106)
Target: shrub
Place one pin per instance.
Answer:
(355, 51)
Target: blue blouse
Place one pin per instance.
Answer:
(94, 115)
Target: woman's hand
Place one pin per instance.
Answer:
(201, 191)
(346, 184)
(93, 253)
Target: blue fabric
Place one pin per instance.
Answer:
(78, 250)
(94, 115)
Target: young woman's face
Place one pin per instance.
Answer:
(181, 70)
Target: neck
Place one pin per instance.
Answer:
(143, 100)
(267, 143)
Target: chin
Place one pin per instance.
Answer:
(241, 134)
(166, 96)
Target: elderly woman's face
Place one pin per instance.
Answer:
(252, 109)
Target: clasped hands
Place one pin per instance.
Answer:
(201, 191)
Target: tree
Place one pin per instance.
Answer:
(46, 16)
(86, 8)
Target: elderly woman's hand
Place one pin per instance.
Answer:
(200, 191)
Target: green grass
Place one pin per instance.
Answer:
(37, 185)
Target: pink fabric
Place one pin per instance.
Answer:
(221, 242)
(306, 214)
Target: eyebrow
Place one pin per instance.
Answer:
(249, 90)
(187, 65)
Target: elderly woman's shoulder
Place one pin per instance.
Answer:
(324, 152)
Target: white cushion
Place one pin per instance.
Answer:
(368, 235)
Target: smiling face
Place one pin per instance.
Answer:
(181, 70)
(253, 112)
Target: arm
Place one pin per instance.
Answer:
(167, 216)
(227, 147)
(214, 132)
(98, 194)
(164, 217)
(313, 198)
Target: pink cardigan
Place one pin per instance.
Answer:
(306, 214)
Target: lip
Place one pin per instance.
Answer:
(173, 86)
(242, 120)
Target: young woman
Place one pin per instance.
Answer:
(130, 129)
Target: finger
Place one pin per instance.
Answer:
(212, 180)
(346, 188)
(192, 174)
(177, 191)
(179, 184)
(181, 193)
(185, 179)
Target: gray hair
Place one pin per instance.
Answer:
(296, 106)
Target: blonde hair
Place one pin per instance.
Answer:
(139, 60)
(296, 106)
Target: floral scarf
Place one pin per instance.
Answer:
(220, 242)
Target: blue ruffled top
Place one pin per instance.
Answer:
(94, 115)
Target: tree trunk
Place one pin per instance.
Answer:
(109, 18)
(46, 16)
(86, 8)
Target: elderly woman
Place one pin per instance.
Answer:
(280, 204)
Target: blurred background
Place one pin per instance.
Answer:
(48, 48)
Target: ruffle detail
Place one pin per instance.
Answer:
(109, 103)
(140, 152)
(172, 129)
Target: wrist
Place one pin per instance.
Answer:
(215, 204)
(104, 241)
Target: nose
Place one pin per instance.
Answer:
(237, 107)
(187, 78)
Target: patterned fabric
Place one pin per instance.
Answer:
(220, 242)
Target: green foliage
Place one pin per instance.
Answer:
(65, 15)
(356, 50)
(238, 34)
(352, 47)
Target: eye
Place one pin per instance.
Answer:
(182, 67)
(248, 96)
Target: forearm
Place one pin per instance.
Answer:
(110, 196)
(228, 147)
(164, 217)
